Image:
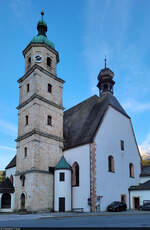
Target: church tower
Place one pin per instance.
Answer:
(40, 124)
(106, 81)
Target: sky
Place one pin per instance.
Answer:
(84, 32)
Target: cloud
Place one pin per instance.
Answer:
(134, 106)
(7, 148)
(8, 128)
(145, 147)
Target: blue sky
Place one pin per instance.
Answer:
(83, 31)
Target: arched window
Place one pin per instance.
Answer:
(75, 175)
(131, 170)
(22, 200)
(6, 200)
(49, 61)
(28, 62)
(111, 167)
(11, 179)
(22, 178)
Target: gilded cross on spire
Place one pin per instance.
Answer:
(42, 14)
(42, 26)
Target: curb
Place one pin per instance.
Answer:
(103, 214)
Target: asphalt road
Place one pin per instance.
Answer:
(138, 220)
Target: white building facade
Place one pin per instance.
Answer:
(141, 193)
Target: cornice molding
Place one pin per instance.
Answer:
(31, 171)
(40, 98)
(32, 44)
(36, 131)
(34, 67)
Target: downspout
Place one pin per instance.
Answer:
(129, 200)
(90, 178)
(93, 176)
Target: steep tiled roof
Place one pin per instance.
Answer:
(12, 163)
(82, 120)
(143, 186)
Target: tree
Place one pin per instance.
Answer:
(2, 176)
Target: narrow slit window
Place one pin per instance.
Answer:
(22, 178)
(28, 88)
(25, 152)
(23, 181)
(131, 170)
(111, 167)
(49, 62)
(62, 177)
(27, 120)
(49, 120)
(49, 88)
(122, 145)
(29, 62)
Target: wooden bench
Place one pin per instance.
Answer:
(77, 209)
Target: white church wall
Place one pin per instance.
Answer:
(11, 171)
(62, 189)
(111, 185)
(81, 193)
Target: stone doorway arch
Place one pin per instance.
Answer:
(22, 201)
(6, 200)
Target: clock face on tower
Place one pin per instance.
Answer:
(38, 58)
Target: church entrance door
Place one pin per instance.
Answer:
(6, 200)
(22, 201)
(61, 204)
(136, 201)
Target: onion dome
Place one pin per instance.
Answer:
(41, 37)
(106, 72)
(106, 81)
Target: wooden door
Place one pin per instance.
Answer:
(61, 204)
(22, 201)
(136, 202)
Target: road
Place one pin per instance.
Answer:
(138, 220)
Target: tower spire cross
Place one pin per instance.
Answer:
(42, 14)
(105, 60)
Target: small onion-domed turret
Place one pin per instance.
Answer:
(106, 81)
